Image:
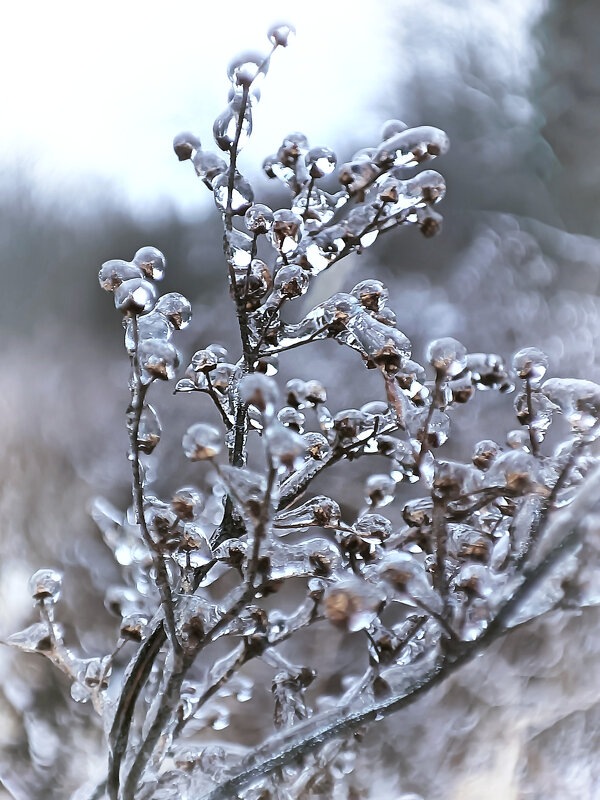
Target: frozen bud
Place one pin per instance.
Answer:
(411, 147)
(447, 355)
(133, 627)
(281, 34)
(352, 604)
(185, 145)
(379, 490)
(114, 273)
(296, 393)
(259, 391)
(391, 128)
(252, 283)
(176, 308)
(158, 360)
(429, 221)
(187, 503)
(418, 513)
(372, 294)
(320, 162)
(314, 393)
(517, 470)
(202, 441)
(204, 361)
(323, 248)
(244, 68)
(149, 430)
(519, 439)
(373, 526)
(135, 296)
(268, 366)
(149, 326)
(484, 453)
(349, 423)
(225, 127)
(285, 447)
(294, 145)
(208, 165)
(530, 364)
(291, 281)
(193, 549)
(453, 479)
(316, 446)
(292, 418)
(97, 672)
(258, 218)
(578, 400)
(242, 195)
(462, 388)
(321, 511)
(356, 176)
(221, 376)
(45, 584)
(286, 231)
(151, 261)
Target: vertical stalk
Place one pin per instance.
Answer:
(138, 394)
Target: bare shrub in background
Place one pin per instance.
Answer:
(240, 589)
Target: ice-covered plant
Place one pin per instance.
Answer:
(221, 578)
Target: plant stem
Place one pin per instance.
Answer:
(138, 393)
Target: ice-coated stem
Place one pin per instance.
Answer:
(307, 737)
(138, 393)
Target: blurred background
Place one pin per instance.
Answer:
(92, 95)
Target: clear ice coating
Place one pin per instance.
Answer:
(45, 584)
(242, 195)
(227, 128)
(135, 296)
(265, 547)
(158, 359)
(202, 441)
(185, 144)
(176, 308)
(531, 364)
(577, 399)
(151, 261)
(114, 273)
(149, 430)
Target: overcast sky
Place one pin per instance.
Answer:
(100, 89)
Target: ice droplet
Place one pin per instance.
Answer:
(447, 355)
(352, 604)
(208, 165)
(226, 124)
(286, 231)
(281, 34)
(151, 261)
(158, 360)
(149, 326)
(113, 273)
(530, 364)
(149, 430)
(45, 584)
(176, 308)
(135, 296)
(185, 144)
(242, 195)
(202, 441)
(412, 146)
(320, 161)
(259, 218)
